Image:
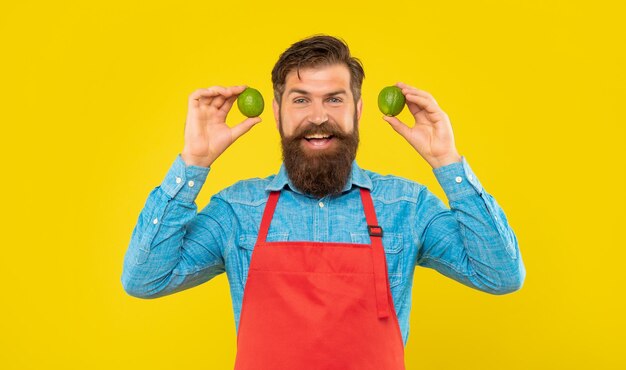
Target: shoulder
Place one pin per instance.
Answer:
(391, 188)
(249, 192)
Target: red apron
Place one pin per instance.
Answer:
(313, 305)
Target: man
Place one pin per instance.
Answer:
(319, 257)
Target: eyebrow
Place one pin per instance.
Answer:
(304, 92)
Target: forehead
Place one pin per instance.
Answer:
(319, 80)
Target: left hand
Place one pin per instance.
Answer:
(432, 134)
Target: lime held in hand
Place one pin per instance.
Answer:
(391, 101)
(250, 102)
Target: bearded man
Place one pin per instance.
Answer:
(319, 257)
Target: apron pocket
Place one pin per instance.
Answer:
(245, 247)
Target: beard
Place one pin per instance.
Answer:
(320, 172)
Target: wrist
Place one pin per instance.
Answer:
(444, 160)
(191, 160)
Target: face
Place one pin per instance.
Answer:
(318, 123)
(320, 95)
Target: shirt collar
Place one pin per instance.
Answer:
(358, 177)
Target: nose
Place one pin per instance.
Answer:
(318, 114)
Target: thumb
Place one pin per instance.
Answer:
(244, 127)
(398, 126)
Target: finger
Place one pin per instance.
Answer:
(406, 89)
(427, 104)
(409, 88)
(229, 92)
(404, 86)
(210, 92)
(225, 108)
(204, 96)
(398, 126)
(228, 103)
(244, 127)
(221, 98)
(229, 98)
(236, 90)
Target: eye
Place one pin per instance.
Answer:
(299, 100)
(334, 100)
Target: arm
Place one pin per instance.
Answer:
(471, 242)
(172, 248)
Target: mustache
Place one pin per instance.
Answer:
(325, 128)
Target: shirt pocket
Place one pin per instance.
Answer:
(394, 254)
(245, 247)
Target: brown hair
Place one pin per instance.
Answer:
(315, 51)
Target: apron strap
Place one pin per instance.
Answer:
(267, 216)
(378, 254)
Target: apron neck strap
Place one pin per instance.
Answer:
(267, 216)
(375, 231)
(378, 255)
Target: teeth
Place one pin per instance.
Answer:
(317, 136)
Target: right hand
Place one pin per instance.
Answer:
(206, 133)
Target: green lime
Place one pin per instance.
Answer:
(391, 101)
(250, 102)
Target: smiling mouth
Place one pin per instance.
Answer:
(319, 140)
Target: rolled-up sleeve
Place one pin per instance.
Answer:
(472, 241)
(172, 247)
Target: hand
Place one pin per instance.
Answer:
(206, 133)
(432, 134)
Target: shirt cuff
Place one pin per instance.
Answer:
(182, 182)
(458, 180)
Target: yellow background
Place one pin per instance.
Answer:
(93, 106)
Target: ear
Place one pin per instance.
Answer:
(359, 109)
(276, 109)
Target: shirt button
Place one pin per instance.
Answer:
(178, 180)
(458, 179)
(321, 204)
(155, 221)
(190, 183)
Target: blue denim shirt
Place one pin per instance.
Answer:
(173, 247)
